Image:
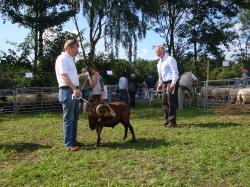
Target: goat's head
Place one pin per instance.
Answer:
(102, 110)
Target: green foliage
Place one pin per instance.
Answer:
(245, 35)
(104, 63)
(37, 16)
(124, 27)
(53, 47)
(188, 64)
(194, 28)
(245, 19)
(142, 68)
(13, 69)
(14, 66)
(208, 149)
(206, 30)
(120, 22)
(233, 71)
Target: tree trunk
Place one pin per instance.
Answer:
(80, 36)
(35, 52)
(40, 46)
(171, 28)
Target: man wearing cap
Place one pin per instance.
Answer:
(244, 75)
(168, 81)
(244, 72)
(68, 82)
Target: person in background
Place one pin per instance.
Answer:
(102, 87)
(96, 86)
(150, 84)
(132, 89)
(186, 83)
(105, 94)
(168, 81)
(68, 82)
(123, 88)
(85, 84)
(244, 72)
(98, 90)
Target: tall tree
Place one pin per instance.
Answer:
(245, 36)
(124, 27)
(196, 28)
(37, 16)
(169, 23)
(208, 27)
(119, 22)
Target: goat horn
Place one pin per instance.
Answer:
(98, 112)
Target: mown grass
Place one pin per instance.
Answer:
(207, 149)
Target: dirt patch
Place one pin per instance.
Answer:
(232, 108)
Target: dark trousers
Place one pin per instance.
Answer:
(132, 99)
(169, 103)
(123, 95)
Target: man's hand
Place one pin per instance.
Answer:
(158, 88)
(171, 88)
(76, 93)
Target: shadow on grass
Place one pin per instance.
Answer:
(211, 125)
(22, 147)
(141, 144)
(28, 115)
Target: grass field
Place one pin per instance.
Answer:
(207, 149)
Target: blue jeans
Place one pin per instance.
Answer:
(85, 93)
(123, 95)
(70, 116)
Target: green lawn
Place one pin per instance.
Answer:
(207, 149)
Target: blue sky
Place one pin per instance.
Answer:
(15, 33)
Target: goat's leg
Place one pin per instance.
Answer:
(126, 132)
(98, 131)
(132, 132)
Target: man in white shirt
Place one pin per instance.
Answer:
(186, 83)
(123, 88)
(68, 83)
(168, 81)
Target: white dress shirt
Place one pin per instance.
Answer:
(167, 69)
(65, 65)
(122, 83)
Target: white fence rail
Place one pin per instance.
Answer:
(42, 99)
(29, 100)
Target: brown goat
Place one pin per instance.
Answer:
(104, 118)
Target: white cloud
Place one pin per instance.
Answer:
(145, 50)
